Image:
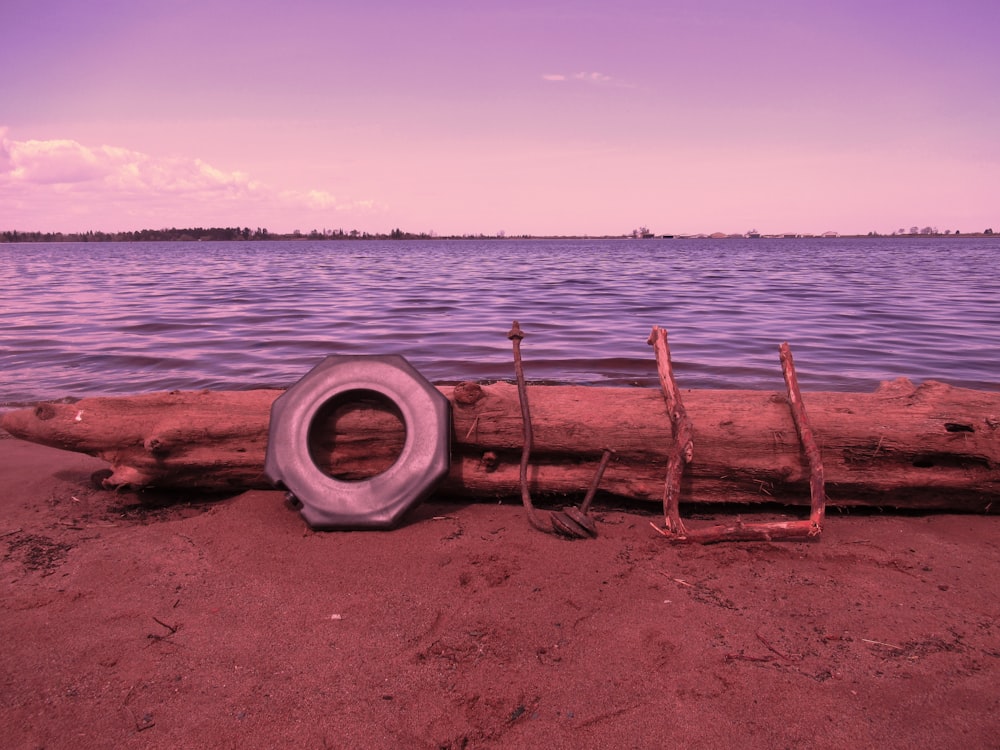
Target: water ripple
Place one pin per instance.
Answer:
(88, 319)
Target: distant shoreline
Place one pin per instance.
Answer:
(235, 234)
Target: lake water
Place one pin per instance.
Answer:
(112, 318)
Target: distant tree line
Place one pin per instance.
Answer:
(223, 234)
(194, 234)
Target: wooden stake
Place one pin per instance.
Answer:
(817, 490)
(682, 447)
(682, 451)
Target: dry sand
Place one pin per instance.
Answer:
(166, 621)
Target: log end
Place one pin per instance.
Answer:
(46, 423)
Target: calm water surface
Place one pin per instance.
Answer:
(101, 319)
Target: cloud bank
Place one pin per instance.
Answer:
(61, 182)
(69, 163)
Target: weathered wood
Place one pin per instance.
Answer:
(932, 447)
(754, 531)
(817, 481)
(681, 451)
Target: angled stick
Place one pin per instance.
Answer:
(817, 489)
(682, 448)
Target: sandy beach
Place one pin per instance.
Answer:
(165, 620)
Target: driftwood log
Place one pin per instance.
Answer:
(927, 447)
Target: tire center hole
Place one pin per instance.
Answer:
(356, 435)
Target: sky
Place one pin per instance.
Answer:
(576, 117)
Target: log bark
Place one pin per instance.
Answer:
(927, 447)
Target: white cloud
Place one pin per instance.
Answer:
(6, 160)
(314, 198)
(55, 162)
(115, 170)
(593, 78)
(59, 177)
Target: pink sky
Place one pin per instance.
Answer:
(522, 116)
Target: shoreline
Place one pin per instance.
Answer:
(17, 237)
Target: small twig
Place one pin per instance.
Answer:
(879, 446)
(171, 628)
(881, 643)
(764, 531)
(18, 530)
(147, 720)
(748, 657)
(143, 727)
(681, 581)
(763, 640)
